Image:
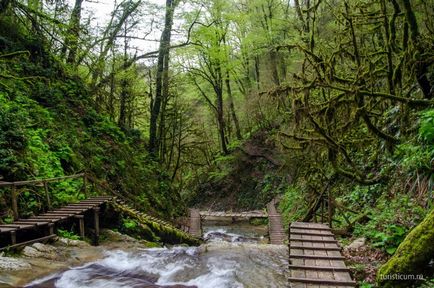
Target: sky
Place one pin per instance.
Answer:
(100, 11)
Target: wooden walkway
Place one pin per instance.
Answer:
(195, 228)
(315, 257)
(277, 234)
(41, 227)
(247, 214)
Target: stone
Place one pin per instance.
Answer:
(44, 248)
(13, 264)
(116, 236)
(40, 251)
(69, 242)
(31, 252)
(356, 244)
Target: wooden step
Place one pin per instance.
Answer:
(313, 240)
(322, 281)
(18, 226)
(26, 222)
(311, 228)
(315, 248)
(319, 268)
(322, 257)
(311, 233)
(6, 230)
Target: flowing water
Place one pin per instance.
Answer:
(232, 257)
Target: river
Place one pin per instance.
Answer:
(234, 256)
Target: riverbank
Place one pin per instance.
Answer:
(40, 260)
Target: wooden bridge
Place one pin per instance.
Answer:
(315, 258)
(42, 227)
(248, 214)
(276, 232)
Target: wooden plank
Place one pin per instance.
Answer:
(303, 256)
(314, 251)
(35, 220)
(195, 223)
(75, 210)
(18, 226)
(322, 281)
(315, 248)
(50, 217)
(311, 233)
(82, 205)
(6, 230)
(323, 268)
(28, 242)
(311, 228)
(40, 181)
(313, 240)
(14, 200)
(26, 222)
(57, 214)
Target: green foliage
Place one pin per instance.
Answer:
(390, 240)
(49, 128)
(67, 234)
(390, 220)
(426, 129)
(222, 167)
(365, 285)
(419, 156)
(129, 224)
(291, 205)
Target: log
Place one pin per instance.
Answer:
(411, 257)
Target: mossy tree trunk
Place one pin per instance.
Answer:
(411, 257)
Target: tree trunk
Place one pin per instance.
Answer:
(161, 78)
(232, 107)
(124, 95)
(74, 32)
(412, 255)
(221, 121)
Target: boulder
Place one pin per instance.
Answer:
(356, 244)
(44, 248)
(70, 242)
(116, 236)
(9, 263)
(39, 250)
(31, 252)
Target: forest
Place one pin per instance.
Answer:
(324, 106)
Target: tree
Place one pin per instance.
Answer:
(162, 78)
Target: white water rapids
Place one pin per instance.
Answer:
(227, 260)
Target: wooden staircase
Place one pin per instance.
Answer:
(315, 258)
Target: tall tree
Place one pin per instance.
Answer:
(162, 77)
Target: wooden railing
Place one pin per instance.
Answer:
(39, 182)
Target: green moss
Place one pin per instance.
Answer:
(153, 231)
(258, 221)
(412, 255)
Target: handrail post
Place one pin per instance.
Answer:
(330, 209)
(85, 185)
(47, 195)
(14, 202)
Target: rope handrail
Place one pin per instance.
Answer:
(40, 181)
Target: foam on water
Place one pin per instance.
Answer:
(214, 265)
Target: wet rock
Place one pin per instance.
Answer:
(44, 248)
(31, 252)
(116, 236)
(70, 242)
(356, 244)
(39, 250)
(13, 264)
